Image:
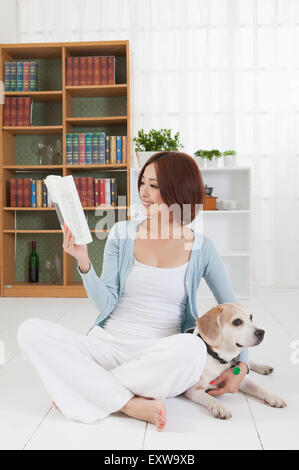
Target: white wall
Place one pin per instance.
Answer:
(8, 21)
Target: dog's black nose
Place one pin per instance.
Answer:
(259, 334)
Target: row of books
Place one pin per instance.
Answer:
(93, 192)
(90, 70)
(17, 111)
(95, 148)
(20, 76)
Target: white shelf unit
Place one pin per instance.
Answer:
(230, 230)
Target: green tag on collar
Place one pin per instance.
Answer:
(236, 370)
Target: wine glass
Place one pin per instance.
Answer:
(39, 148)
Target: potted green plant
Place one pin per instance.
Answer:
(147, 144)
(208, 156)
(229, 158)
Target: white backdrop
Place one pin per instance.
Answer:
(225, 73)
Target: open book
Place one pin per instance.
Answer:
(68, 206)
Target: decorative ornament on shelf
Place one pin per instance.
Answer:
(147, 144)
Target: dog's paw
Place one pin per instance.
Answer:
(275, 401)
(265, 370)
(220, 412)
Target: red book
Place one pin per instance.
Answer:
(7, 112)
(20, 192)
(97, 192)
(75, 71)
(83, 70)
(13, 111)
(90, 191)
(27, 110)
(77, 183)
(20, 111)
(111, 70)
(89, 72)
(96, 71)
(102, 191)
(13, 192)
(83, 191)
(103, 70)
(26, 76)
(69, 71)
(27, 192)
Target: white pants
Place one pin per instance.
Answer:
(91, 376)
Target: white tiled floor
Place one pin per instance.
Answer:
(28, 420)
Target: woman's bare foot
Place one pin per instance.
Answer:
(147, 409)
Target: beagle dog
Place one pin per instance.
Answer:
(226, 329)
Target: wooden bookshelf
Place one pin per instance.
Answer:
(20, 225)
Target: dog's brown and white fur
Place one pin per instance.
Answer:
(226, 337)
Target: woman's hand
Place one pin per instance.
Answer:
(228, 382)
(77, 251)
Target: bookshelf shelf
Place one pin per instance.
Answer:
(97, 91)
(56, 111)
(97, 121)
(42, 130)
(38, 96)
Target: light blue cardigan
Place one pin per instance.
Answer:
(105, 291)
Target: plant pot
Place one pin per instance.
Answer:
(229, 161)
(142, 157)
(201, 162)
(212, 163)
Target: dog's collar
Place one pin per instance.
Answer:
(213, 353)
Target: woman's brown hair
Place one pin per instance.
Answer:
(180, 181)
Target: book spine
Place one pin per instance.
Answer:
(90, 70)
(103, 71)
(13, 76)
(102, 139)
(124, 149)
(7, 112)
(102, 192)
(33, 193)
(44, 194)
(20, 192)
(118, 149)
(90, 191)
(13, 111)
(107, 149)
(94, 146)
(13, 192)
(27, 110)
(75, 71)
(75, 145)
(27, 192)
(81, 148)
(83, 190)
(97, 192)
(107, 192)
(113, 149)
(83, 71)
(88, 149)
(111, 70)
(77, 183)
(33, 76)
(26, 76)
(39, 193)
(20, 111)
(68, 149)
(19, 76)
(113, 187)
(69, 71)
(7, 76)
(96, 71)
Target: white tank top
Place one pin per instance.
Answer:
(151, 304)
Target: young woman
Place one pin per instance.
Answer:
(136, 354)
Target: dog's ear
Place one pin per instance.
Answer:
(209, 326)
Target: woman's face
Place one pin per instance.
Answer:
(149, 191)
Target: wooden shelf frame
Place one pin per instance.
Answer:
(8, 231)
